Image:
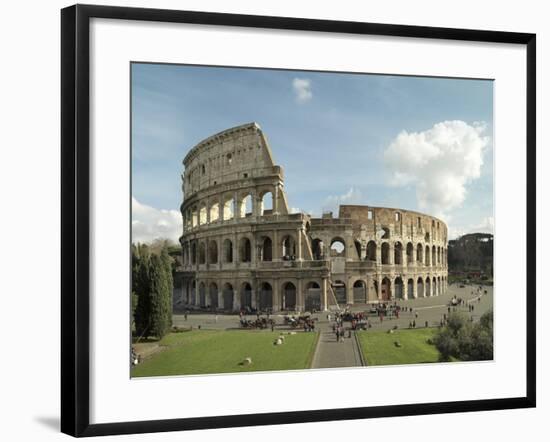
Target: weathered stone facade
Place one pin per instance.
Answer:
(243, 249)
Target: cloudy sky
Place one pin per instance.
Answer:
(409, 142)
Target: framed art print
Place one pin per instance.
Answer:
(256, 209)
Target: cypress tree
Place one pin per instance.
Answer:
(142, 287)
(160, 319)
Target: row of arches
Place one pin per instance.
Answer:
(389, 253)
(224, 296)
(230, 206)
(207, 251)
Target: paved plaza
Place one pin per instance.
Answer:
(330, 353)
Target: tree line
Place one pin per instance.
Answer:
(152, 287)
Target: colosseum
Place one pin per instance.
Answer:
(244, 250)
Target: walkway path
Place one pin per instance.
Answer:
(332, 354)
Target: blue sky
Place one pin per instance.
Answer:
(337, 137)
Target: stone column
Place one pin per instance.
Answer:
(391, 252)
(300, 304)
(324, 303)
(379, 280)
(378, 253)
(299, 239)
(276, 301)
(236, 206)
(275, 204)
(220, 297)
(415, 288)
(349, 293)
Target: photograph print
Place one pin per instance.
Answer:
(296, 220)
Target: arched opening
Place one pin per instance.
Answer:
(245, 250)
(289, 248)
(427, 237)
(385, 253)
(371, 251)
(202, 253)
(193, 253)
(267, 249)
(337, 247)
(202, 214)
(317, 249)
(386, 289)
(434, 258)
(202, 294)
(227, 295)
(194, 217)
(419, 250)
(428, 287)
(420, 288)
(410, 288)
(410, 252)
(313, 297)
(266, 296)
(398, 253)
(289, 296)
(376, 290)
(339, 288)
(385, 233)
(245, 206)
(398, 288)
(434, 286)
(228, 208)
(427, 256)
(227, 251)
(246, 296)
(212, 252)
(214, 212)
(193, 292)
(213, 292)
(359, 292)
(267, 204)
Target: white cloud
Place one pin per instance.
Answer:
(440, 162)
(352, 196)
(302, 89)
(149, 223)
(487, 225)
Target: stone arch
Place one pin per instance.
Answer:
(313, 296)
(410, 288)
(357, 248)
(317, 248)
(427, 256)
(419, 253)
(202, 253)
(337, 247)
(212, 251)
(194, 216)
(371, 251)
(267, 249)
(289, 296)
(267, 203)
(399, 288)
(434, 287)
(228, 208)
(428, 286)
(359, 292)
(266, 296)
(245, 205)
(213, 294)
(398, 253)
(227, 250)
(214, 212)
(420, 288)
(246, 296)
(385, 253)
(245, 250)
(386, 289)
(410, 253)
(385, 233)
(434, 257)
(288, 247)
(203, 214)
(202, 294)
(339, 288)
(228, 297)
(194, 252)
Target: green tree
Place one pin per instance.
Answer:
(160, 317)
(141, 286)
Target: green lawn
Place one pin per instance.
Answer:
(210, 351)
(379, 347)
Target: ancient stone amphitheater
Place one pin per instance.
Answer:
(243, 249)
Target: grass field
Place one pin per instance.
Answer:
(379, 347)
(210, 351)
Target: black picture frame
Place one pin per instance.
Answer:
(75, 214)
